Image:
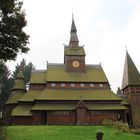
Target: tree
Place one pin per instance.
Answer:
(6, 83)
(27, 68)
(13, 39)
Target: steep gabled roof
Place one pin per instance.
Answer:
(14, 97)
(131, 75)
(73, 32)
(19, 82)
(18, 90)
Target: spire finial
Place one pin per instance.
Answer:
(126, 47)
(72, 13)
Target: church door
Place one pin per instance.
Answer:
(43, 117)
(81, 115)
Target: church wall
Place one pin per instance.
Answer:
(37, 86)
(133, 94)
(131, 89)
(22, 120)
(97, 119)
(61, 119)
(135, 108)
(69, 63)
(37, 118)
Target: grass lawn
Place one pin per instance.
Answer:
(65, 133)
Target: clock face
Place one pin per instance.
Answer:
(75, 64)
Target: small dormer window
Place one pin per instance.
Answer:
(53, 84)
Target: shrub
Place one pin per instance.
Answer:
(135, 131)
(108, 122)
(124, 127)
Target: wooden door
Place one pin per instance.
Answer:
(81, 115)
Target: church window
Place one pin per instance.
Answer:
(100, 85)
(53, 84)
(55, 113)
(72, 85)
(62, 84)
(92, 85)
(82, 85)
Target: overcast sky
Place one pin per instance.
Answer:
(105, 27)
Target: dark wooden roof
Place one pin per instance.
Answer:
(131, 74)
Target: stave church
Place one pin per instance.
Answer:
(74, 93)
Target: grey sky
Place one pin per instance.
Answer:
(105, 27)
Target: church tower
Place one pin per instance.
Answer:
(74, 55)
(131, 88)
(18, 91)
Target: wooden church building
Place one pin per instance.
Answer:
(74, 93)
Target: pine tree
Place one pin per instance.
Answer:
(27, 68)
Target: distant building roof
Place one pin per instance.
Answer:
(131, 75)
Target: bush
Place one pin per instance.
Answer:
(124, 127)
(108, 122)
(135, 131)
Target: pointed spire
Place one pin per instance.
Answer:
(73, 27)
(19, 82)
(131, 75)
(74, 42)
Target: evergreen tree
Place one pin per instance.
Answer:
(6, 83)
(13, 39)
(27, 68)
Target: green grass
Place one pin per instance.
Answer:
(65, 133)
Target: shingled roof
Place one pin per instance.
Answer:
(18, 90)
(94, 73)
(74, 51)
(131, 75)
(77, 95)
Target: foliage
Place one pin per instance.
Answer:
(108, 122)
(27, 68)
(6, 83)
(135, 131)
(124, 127)
(66, 133)
(13, 39)
(2, 133)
